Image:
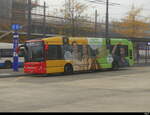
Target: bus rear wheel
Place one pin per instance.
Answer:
(68, 69)
(8, 64)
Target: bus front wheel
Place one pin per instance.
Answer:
(68, 69)
(8, 64)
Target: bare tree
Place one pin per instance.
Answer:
(132, 25)
(73, 12)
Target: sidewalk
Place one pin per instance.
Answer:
(141, 65)
(10, 73)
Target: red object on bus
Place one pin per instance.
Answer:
(35, 67)
(17, 50)
(46, 47)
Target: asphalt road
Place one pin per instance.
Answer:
(127, 90)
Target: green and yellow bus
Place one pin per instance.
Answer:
(74, 54)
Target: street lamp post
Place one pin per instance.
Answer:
(96, 15)
(107, 19)
(44, 20)
(29, 19)
(107, 25)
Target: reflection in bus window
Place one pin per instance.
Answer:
(54, 52)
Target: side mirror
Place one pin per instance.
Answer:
(20, 51)
(46, 47)
(18, 48)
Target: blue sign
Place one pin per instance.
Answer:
(15, 54)
(16, 27)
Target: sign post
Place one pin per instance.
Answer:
(15, 27)
(15, 54)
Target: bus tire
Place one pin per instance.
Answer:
(8, 64)
(68, 69)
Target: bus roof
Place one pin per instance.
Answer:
(123, 41)
(6, 45)
(80, 40)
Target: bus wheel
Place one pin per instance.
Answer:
(8, 64)
(68, 69)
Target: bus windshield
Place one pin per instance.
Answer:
(34, 51)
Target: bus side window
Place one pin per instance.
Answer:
(54, 52)
(60, 52)
(6, 53)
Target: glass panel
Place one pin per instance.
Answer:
(54, 52)
(34, 52)
(120, 50)
(6, 52)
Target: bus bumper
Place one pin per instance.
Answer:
(35, 67)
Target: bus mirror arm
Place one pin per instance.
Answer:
(22, 46)
(46, 48)
(18, 48)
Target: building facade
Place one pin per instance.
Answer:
(12, 11)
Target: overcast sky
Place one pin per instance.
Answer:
(116, 12)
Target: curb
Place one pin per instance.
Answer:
(5, 75)
(141, 65)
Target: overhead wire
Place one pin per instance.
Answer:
(102, 2)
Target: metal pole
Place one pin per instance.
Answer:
(15, 53)
(107, 19)
(146, 56)
(148, 53)
(107, 26)
(29, 19)
(44, 20)
(95, 23)
(138, 53)
(73, 18)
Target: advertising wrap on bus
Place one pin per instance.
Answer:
(68, 55)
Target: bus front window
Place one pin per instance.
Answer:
(34, 51)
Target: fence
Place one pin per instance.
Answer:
(142, 53)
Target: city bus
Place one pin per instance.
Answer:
(74, 54)
(6, 56)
